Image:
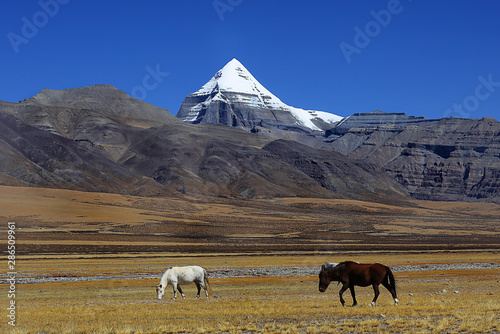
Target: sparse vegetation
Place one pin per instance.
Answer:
(64, 234)
(63, 221)
(262, 304)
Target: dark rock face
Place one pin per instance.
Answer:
(227, 110)
(377, 119)
(451, 159)
(337, 173)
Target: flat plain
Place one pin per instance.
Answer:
(88, 263)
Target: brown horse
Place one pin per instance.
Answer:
(352, 273)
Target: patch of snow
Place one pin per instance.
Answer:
(305, 117)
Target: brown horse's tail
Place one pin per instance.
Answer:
(391, 280)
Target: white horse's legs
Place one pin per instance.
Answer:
(205, 288)
(175, 288)
(182, 293)
(200, 285)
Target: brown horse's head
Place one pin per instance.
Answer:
(324, 281)
(326, 275)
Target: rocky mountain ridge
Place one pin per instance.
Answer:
(76, 140)
(100, 139)
(449, 159)
(376, 119)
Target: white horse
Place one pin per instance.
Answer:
(183, 275)
(328, 265)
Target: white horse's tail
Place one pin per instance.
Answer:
(207, 284)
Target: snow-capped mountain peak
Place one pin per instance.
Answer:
(234, 97)
(235, 78)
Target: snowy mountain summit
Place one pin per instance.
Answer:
(234, 97)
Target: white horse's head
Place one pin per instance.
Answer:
(160, 290)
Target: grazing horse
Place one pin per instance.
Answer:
(183, 275)
(353, 273)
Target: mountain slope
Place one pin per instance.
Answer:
(105, 98)
(34, 157)
(100, 115)
(214, 160)
(234, 97)
(448, 159)
(337, 173)
(72, 139)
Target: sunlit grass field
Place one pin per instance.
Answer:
(62, 234)
(446, 301)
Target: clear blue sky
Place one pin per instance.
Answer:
(424, 58)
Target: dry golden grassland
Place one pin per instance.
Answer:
(263, 304)
(63, 221)
(62, 234)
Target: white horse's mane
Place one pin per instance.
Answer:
(328, 265)
(164, 277)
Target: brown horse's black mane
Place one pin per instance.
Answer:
(341, 266)
(346, 262)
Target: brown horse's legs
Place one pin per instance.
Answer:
(353, 294)
(392, 291)
(344, 287)
(377, 292)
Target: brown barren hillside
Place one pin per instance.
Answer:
(65, 221)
